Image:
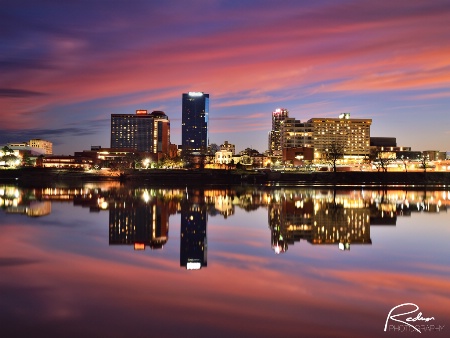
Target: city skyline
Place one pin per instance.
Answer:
(67, 67)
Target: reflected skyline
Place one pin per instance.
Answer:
(60, 271)
(140, 217)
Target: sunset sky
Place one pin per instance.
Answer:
(66, 66)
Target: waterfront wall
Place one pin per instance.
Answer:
(50, 177)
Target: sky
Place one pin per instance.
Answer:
(66, 66)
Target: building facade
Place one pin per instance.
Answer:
(33, 146)
(142, 132)
(223, 157)
(278, 116)
(353, 135)
(194, 124)
(228, 147)
(295, 134)
(47, 146)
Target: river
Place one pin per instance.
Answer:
(107, 260)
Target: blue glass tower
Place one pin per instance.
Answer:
(194, 122)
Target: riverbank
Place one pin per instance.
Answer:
(177, 177)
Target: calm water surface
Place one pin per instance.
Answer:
(111, 261)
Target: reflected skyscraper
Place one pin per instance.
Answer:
(193, 239)
(138, 223)
(290, 221)
(341, 220)
(341, 224)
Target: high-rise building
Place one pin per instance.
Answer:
(295, 134)
(353, 135)
(194, 124)
(278, 116)
(141, 131)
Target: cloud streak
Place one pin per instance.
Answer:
(12, 92)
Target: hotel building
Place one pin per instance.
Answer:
(142, 132)
(351, 134)
(298, 139)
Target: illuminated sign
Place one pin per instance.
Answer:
(193, 266)
(195, 94)
(279, 111)
(141, 112)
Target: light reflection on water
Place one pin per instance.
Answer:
(105, 260)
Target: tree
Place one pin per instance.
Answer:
(27, 161)
(213, 148)
(333, 153)
(166, 162)
(230, 164)
(7, 151)
(405, 161)
(246, 160)
(177, 162)
(133, 160)
(11, 160)
(381, 159)
(425, 162)
(249, 151)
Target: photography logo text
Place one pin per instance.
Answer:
(406, 317)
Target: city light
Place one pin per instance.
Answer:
(195, 94)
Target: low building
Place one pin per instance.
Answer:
(383, 142)
(386, 147)
(47, 146)
(223, 157)
(34, 147)
(113, 157)
(298, 156)
(67, 162)
(435, 155)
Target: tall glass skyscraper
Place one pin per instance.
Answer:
(194, 122)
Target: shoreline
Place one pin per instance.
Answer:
(220, 177)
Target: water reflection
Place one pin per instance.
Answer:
(139, 217)
(68, 272)
(193, 240)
